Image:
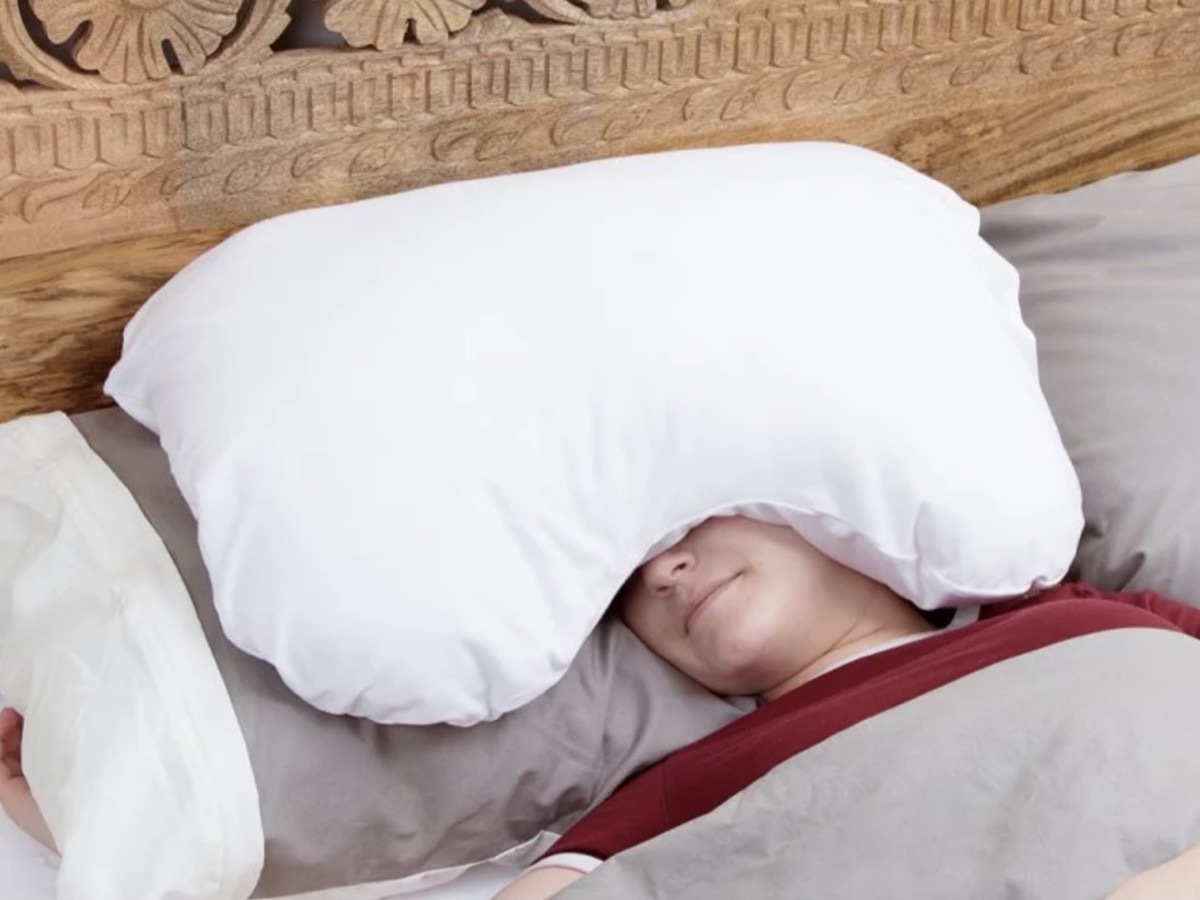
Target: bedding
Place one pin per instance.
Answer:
(29, 868)
(130, 744)
(1050, 759)
(699, 777)
(30, 871)
(1145, 289)
(89, 515)
(1110, 286)
(483, 451)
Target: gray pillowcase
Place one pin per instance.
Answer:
(347, 801)
(1110, 284)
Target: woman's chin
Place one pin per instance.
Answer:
(736, 659)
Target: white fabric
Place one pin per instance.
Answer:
(580, 862)
(874, 651)
(30, 870)
(131, 744)
(482, 882)
(425, 884)
(964, 615)
(427, 436)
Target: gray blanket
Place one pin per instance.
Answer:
(1051, 776)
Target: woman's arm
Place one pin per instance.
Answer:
(1177, 879)
(15, 796)
(636, 812)
(540, 883)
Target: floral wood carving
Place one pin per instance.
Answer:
(244, 140)
(124, 39)
(385, 23)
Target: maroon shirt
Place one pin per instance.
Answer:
(700, 777)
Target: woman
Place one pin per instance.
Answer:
(745, 608)
(749, 608)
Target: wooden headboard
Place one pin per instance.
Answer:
(134, 134)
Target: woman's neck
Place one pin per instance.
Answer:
(876, 616)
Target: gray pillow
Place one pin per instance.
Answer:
(1110, 284)
(347, 801)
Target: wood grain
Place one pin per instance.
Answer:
(62, 317)
(250, 136)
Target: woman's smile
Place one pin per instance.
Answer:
(704, 599)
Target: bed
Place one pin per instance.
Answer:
(133, 139)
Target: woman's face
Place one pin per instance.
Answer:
(739, 605)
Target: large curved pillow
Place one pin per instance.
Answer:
(427, 436)
(1110, 284)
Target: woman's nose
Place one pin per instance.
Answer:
(668, 569)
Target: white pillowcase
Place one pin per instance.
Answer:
(131, 744)
(427, 436)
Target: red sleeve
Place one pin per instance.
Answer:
(636, 812)
(1184, 617)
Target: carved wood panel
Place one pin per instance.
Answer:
(177, 114)
(161, 125)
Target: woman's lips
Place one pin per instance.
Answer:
(703, 600)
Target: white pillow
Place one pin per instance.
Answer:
(131, 744)
(427, 436)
